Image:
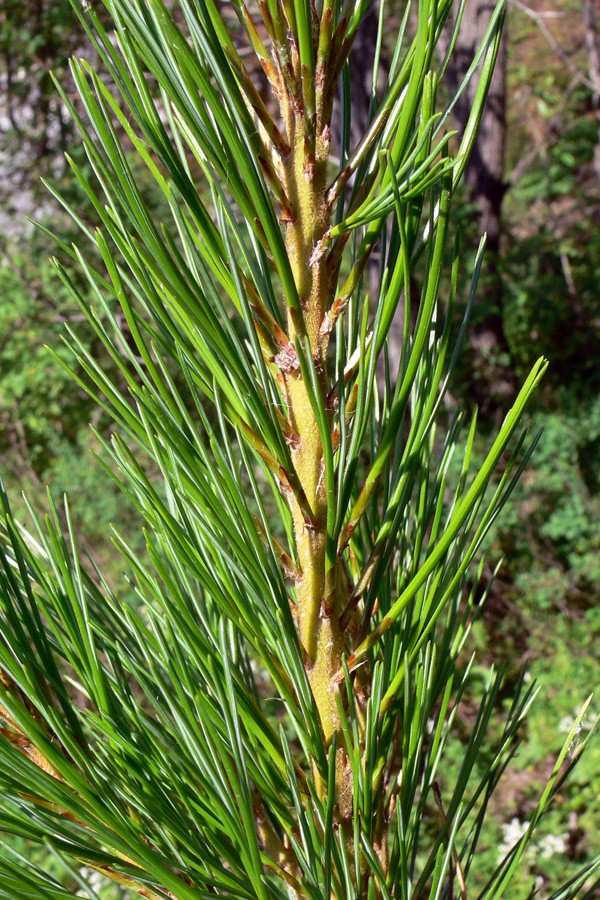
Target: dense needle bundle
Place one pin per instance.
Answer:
(270, 718)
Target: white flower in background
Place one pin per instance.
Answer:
(565, 724)
(93, 878)
(546, 848)
(587, 723)
(552, 844)
(512, 832)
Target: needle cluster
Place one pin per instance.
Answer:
(271, 717)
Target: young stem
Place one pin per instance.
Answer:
(305, 183)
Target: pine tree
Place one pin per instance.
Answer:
(270, 716)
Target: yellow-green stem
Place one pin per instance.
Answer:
(323, 640)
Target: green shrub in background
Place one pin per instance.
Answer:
(274, 714)
(44, 413)
(544, 611)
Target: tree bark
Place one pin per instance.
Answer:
(592, 46)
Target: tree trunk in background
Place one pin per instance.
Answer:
(592, 46)
(492, 381)
(489, 359)
(361, 69)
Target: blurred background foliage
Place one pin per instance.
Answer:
(534, 186)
